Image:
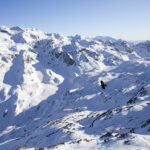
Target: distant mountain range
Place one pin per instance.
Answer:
(105, 38)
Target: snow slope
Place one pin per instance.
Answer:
(51, 98)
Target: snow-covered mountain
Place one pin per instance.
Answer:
(51, 97)
(105, 38)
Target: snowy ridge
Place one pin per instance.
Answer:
(51, 98)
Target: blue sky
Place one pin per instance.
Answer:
(126, 19)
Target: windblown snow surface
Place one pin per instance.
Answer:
(51, 98)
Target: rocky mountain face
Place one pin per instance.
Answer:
(51, 97)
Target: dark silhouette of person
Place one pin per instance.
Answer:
(103, 85)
